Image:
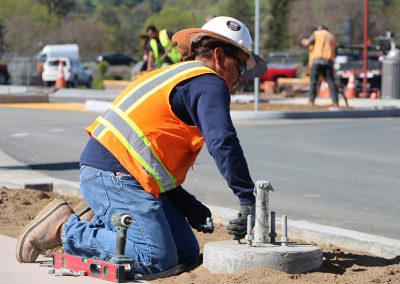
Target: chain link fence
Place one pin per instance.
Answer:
(22, 70)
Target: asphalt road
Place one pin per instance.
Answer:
(343, 173)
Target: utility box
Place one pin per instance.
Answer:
(391, 75)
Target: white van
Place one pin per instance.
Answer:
(75, 73)
(57, 50)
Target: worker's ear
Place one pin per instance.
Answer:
(219, 56)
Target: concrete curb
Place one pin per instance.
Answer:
(260, 115)
(23, 94)
(326, 235)
(15, 175)
(100, 106)
(24, 98)
(99, 100)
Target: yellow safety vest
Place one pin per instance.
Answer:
(165, 41)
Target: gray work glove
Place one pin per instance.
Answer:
(238, 227)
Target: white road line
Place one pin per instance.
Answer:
(18, 135)
(312, 195)
(56, 130)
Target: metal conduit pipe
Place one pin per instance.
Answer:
(261, 230)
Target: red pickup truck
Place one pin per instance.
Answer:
(280, 65)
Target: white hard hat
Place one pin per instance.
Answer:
(225, 29)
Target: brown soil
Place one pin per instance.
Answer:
(18, 207)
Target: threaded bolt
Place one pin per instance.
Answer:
(284, 238)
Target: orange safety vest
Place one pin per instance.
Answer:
(143, 133)
(324, 46)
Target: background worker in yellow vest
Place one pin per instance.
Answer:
(162, 51)
(141, 149)
(322, 53)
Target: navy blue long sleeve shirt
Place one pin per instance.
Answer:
(202, 101)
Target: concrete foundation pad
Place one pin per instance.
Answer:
(229, 257)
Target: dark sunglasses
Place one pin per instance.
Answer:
(241, 65)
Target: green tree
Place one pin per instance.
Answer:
(61, 8)
(277, 31)
(241, 10)
(23, 15)
(200, 9)
(172, 18)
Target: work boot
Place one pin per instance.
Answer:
(83, 211)
(43, 232)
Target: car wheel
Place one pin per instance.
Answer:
(3, 79)
(74, 82)
(89, 83)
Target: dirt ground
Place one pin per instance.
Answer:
(18, 207)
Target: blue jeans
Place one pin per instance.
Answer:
(160, 237)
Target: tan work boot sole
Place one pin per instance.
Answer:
(84, 213)
(42, 216)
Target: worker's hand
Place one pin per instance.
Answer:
(195, 212)
(198, 218)
(238, 227)
(305, 42)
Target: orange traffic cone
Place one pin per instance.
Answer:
(60, 82)
(351, 91)
(324, 90)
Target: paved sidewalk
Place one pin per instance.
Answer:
(13, 272)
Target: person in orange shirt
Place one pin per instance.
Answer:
(322, 53)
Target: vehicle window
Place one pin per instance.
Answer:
(55, 63)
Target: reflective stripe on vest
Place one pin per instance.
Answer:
(116, 120)
(141, 91)
(120, 125)
(165, 41)
(154, 47)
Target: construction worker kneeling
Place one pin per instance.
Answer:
(141, 149)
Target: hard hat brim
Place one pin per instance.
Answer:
(258, 70)
(184, 39)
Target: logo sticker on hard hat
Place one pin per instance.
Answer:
(234, 26)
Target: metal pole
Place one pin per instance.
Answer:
(261, 230)
(365, 53)
(256, 50)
